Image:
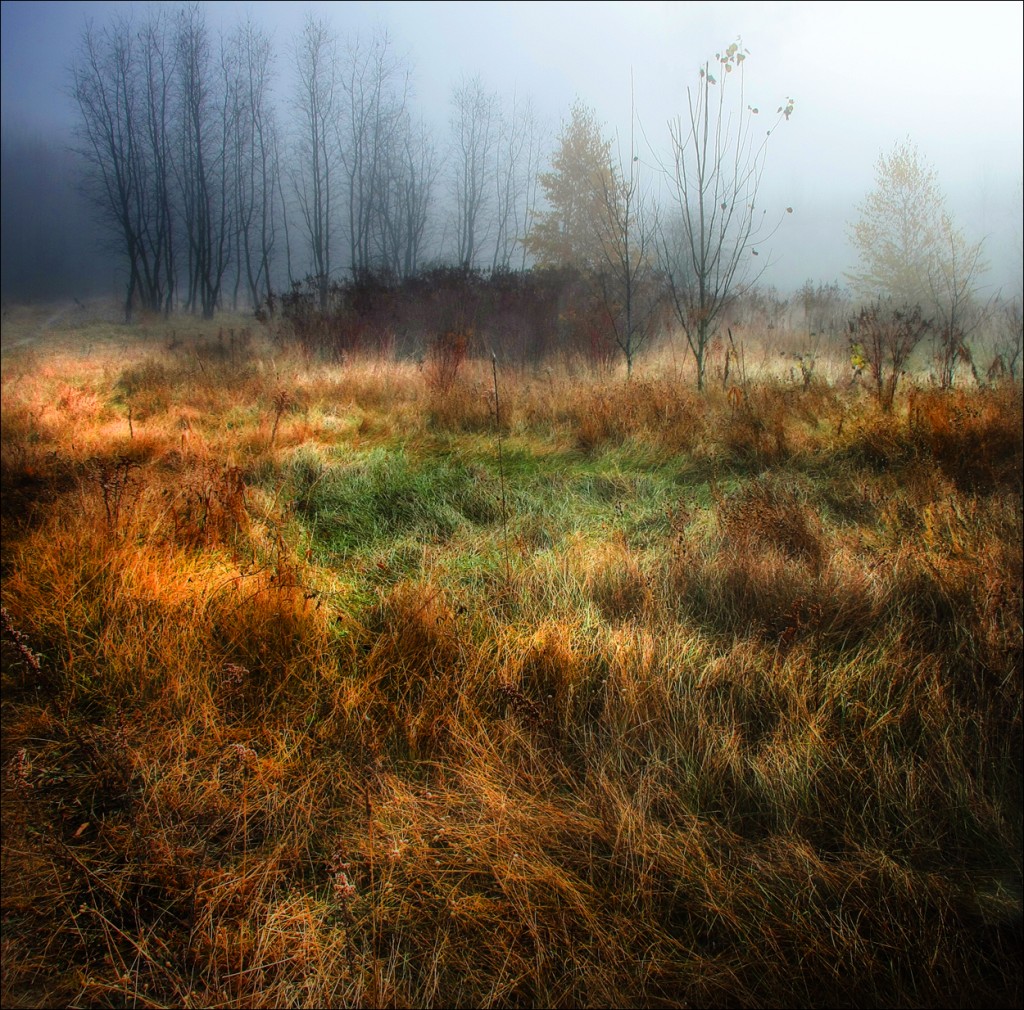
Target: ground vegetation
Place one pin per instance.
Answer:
(691, 699)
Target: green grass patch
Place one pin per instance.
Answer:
(356, 501)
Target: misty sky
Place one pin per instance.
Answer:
(863, 76)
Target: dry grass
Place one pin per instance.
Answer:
(741, 725)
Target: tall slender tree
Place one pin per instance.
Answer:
(474, 126)
(375, 90)
(715, 171)
(204, 171)
(121, 83)
(317, 154)
(627, 228)
(159, 66)
(253, 130)
(577, 190)
(515, 173)
(412, 174)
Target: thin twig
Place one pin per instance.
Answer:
(501, 469)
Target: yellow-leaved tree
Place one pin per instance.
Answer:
(897, 233)
(600, 221)
(571, 231)
(912, 254)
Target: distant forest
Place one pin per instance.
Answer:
(235, 170)
(220, 167)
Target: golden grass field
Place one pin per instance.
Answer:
(722, 707)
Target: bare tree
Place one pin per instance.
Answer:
(203, 169)
(413, 169)
(253, 156)
(953, 279)
(159, 66)
(628, 229)
(715, 174)
(121, 85)
(474, 136)
(375, 86)
(516, 165)
(278, 174)
(317, 156)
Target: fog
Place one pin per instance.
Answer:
(862, 76)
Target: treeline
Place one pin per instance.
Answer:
(220, 185)
(308, 183)
(209, 183)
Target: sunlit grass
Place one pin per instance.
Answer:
(739, 723)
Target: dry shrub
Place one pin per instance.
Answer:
(976, 439)
(882, 339)
(769, 512)
(444, 358)
(617, 583)
(418, 669)
(653, 410)
(556, 683)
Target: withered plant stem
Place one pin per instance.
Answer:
(501, 469)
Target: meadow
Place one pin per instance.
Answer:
(329, 684)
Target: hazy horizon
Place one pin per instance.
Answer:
(863, 77)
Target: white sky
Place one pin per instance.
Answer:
(863, 76)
